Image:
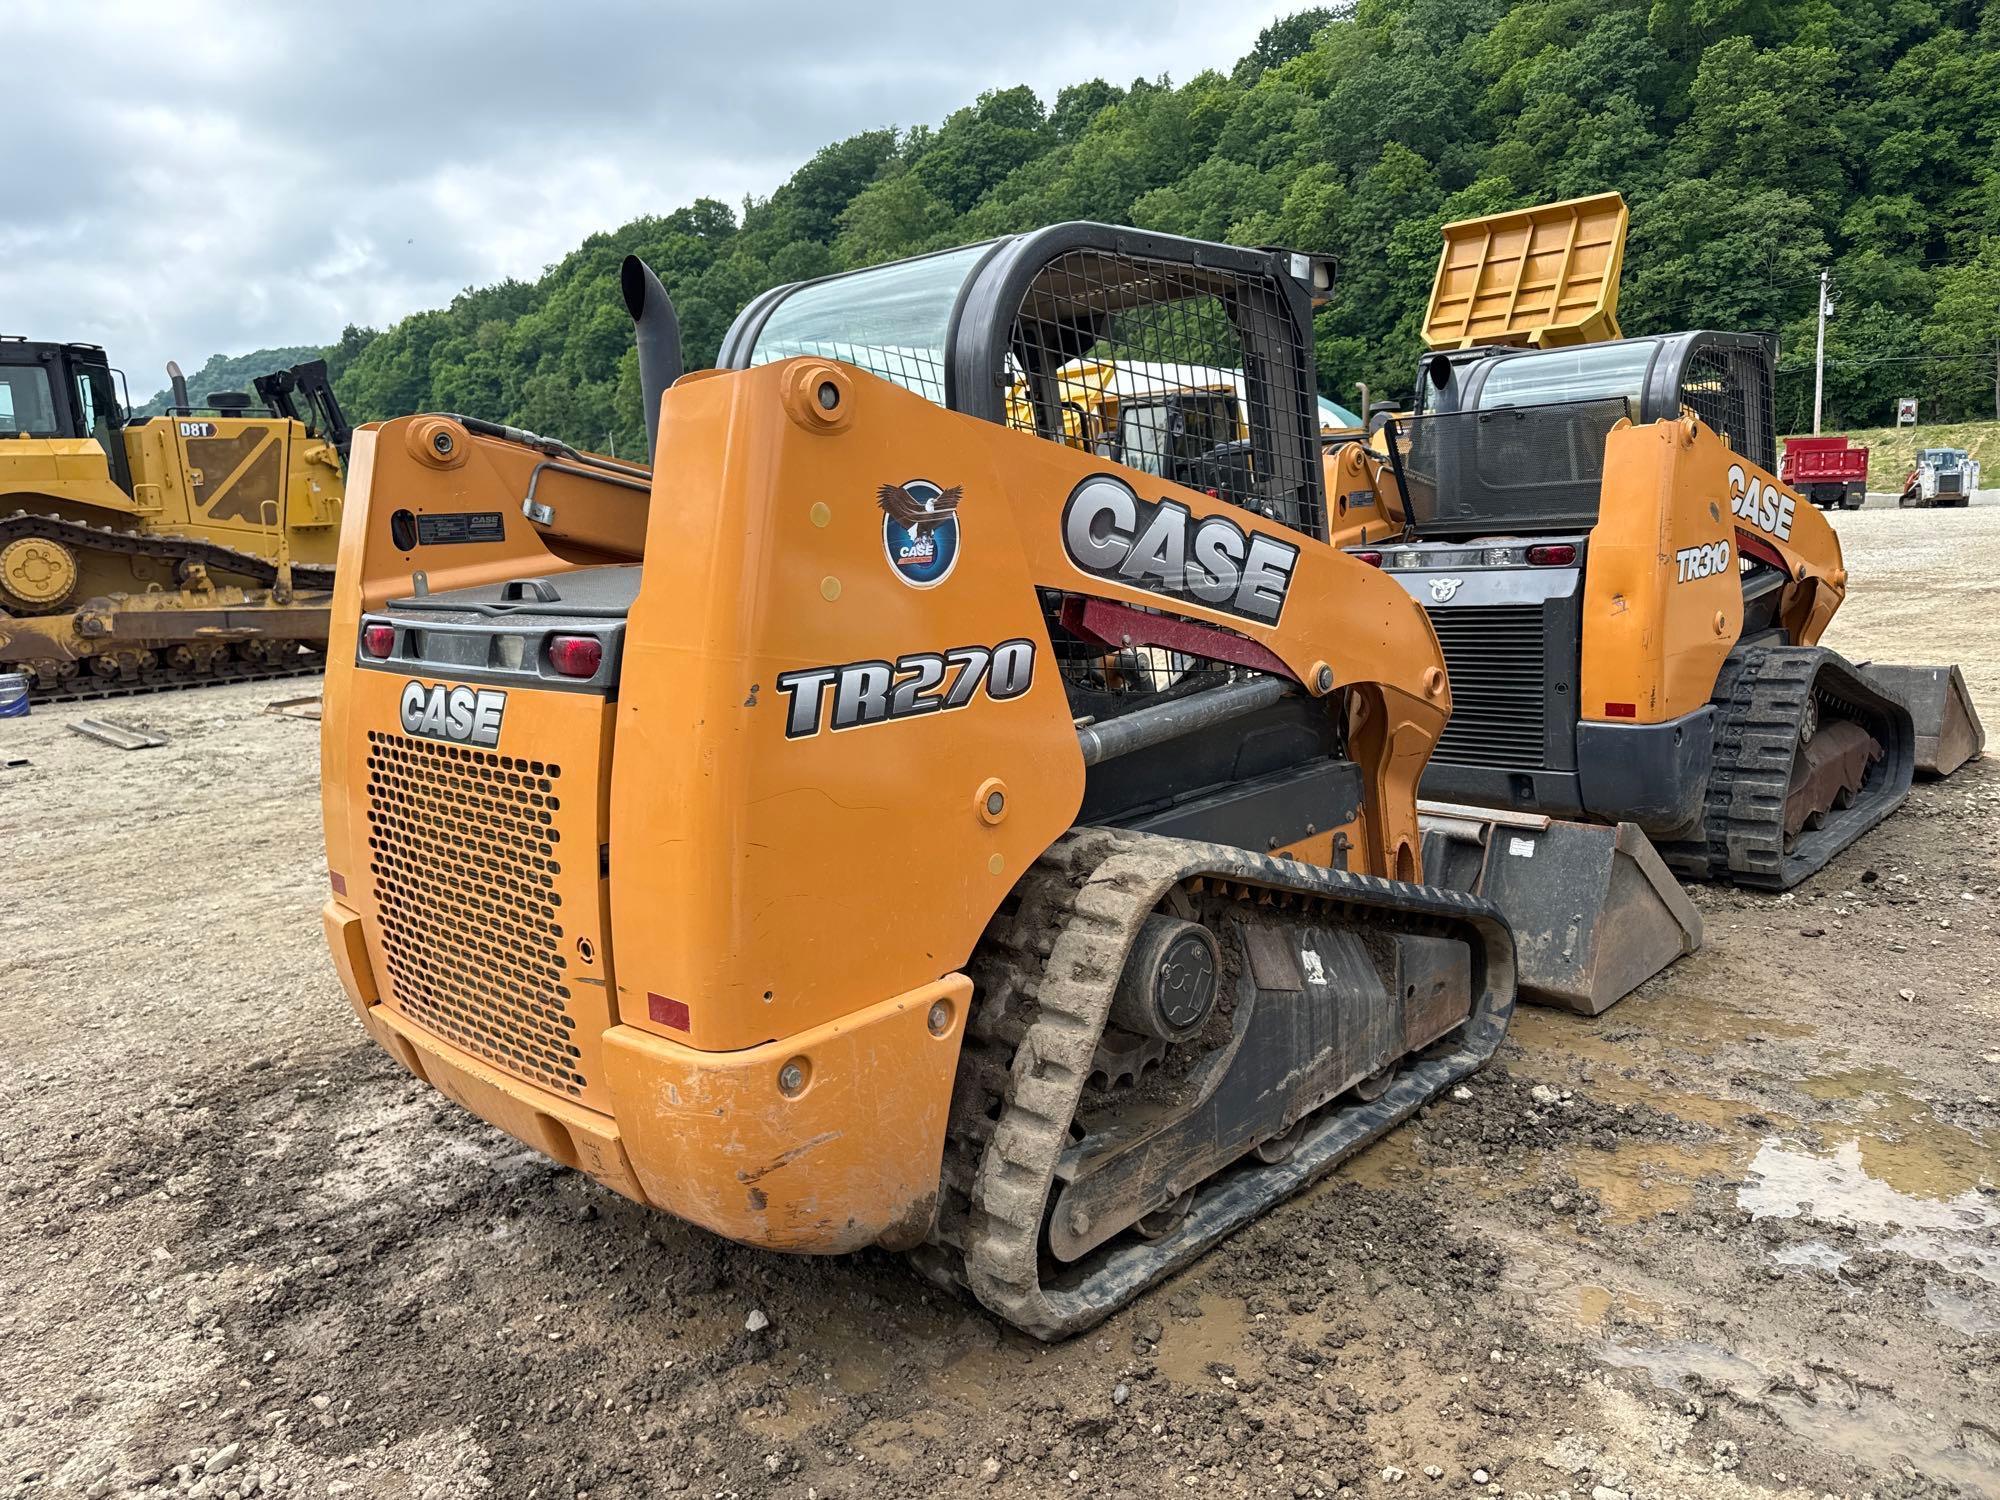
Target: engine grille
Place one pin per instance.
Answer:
(1496, 655)
(1949, 484)
(462, 848)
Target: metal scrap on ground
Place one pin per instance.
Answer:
(118, 736)
(296, 708)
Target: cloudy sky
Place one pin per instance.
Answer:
(222, 178)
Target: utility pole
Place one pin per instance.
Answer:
(1819, 351)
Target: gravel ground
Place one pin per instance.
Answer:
(1739, 1236)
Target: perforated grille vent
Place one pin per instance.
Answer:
(1499, 699)
(463, 849)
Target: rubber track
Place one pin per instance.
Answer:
(1762, 697)
(1092, 891)
(213, 555)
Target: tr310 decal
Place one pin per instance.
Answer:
(921, 682)
(1704, 561)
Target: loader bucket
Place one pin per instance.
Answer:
(1594, 909)
(1948, 729)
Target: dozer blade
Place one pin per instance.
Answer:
(1948, 729)
(1595, 911)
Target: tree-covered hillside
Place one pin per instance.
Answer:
(230, 372)
(1756, 141)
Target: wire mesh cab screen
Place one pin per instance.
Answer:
(1185, 360)
(1511, 468)
(1196, 373)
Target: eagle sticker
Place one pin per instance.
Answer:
(920, 530)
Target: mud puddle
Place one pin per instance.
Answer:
(1835, 1410)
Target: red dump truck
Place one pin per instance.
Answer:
(1829, 471)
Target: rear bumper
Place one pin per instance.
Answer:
(1654, 775)
(850, 1159)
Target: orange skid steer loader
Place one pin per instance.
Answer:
(777, 837)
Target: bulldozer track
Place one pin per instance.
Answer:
(165, 680)
(149, 544)
(1763, 697)
(1050, 966)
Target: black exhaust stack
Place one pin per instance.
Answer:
(180, 385)
(656, 329)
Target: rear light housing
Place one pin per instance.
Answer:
(378, 640)
(1373, 559)
(576, 655)
(1552, 555)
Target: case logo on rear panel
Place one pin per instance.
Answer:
(920, 530)
(461, 715)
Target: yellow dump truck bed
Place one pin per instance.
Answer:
(1539, 276)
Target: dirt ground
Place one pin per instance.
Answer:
(1739, 1236)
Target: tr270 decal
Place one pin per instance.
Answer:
(922, 682)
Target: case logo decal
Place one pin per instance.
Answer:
(920, 530)
(1761, 503)
(461, 715)
(1109, 532)
(923, 682)
(1442, 589)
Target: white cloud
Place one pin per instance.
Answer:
(216, 178)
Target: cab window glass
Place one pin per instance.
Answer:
(27, 405)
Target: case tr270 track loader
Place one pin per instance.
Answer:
(775, 837)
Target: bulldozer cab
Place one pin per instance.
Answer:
(57, 390)
(61, 391)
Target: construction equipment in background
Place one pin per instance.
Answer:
(1832, 472)
(1629, 600)
(1537, 278)
(1942, 476)
(1053, 979)
(139, 553)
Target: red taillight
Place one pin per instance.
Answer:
(1621, 711)
(576, 655)
(1552, 555)
(1373, 559)
(378, 640)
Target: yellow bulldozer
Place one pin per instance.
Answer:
(139, 553)
(1629, 600)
